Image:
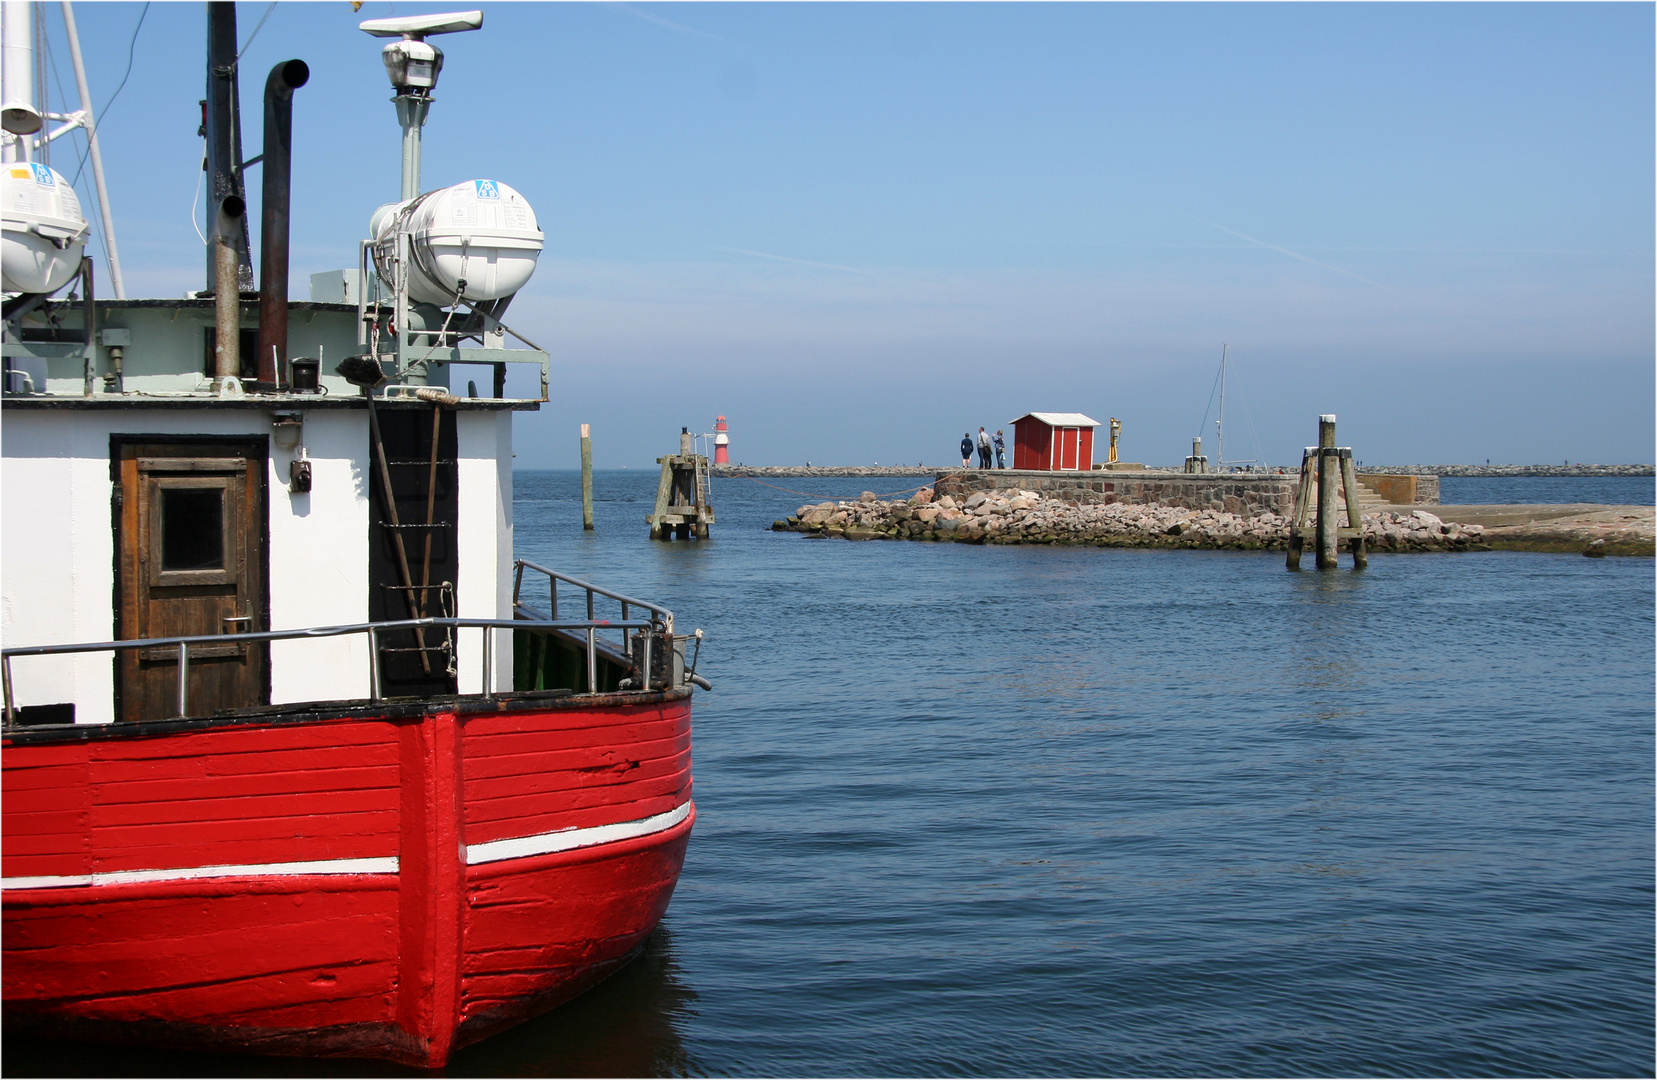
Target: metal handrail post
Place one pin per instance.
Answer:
(6, 678)
(517, 584)
(554, 583)
(592, 662)
(626, 638)
(589, 605)
(184, 678)
(488, 662)
(644, 672)
(373, 665)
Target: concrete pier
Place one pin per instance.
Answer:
(1589, 528)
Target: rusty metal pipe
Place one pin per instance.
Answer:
(277, 163)
(227, 294)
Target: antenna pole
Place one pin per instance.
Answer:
(411, 114)
(92, 148)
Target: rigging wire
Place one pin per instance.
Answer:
(1202, 427)
(1254, 436)
(249, 42)
(86, 198)
(57, 77)
(103, 113)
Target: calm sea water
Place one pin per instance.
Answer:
(999, 811)
(1616, 490)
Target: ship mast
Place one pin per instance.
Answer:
(222, 126)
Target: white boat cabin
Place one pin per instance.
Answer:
(137, 502)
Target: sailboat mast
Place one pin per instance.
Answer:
(1220, 423)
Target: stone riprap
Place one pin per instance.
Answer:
(1025, 516)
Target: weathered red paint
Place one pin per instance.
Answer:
(1042, 446)
(405, 965)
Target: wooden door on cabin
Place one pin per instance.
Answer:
(1067, 448)
(190, 540)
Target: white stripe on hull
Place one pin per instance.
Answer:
(133, 877)
(494, 851)
(569, 839)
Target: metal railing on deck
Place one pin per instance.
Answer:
(661, 619)
(372, 630)
(658, 622)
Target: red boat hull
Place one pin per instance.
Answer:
(390, 885)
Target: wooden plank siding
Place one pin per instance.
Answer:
(526, 776)
(243, 795)
(604, 902)
(156, 946)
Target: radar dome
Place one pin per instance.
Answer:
(481, 232)
(44, 232)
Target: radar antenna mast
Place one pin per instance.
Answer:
(414, 66)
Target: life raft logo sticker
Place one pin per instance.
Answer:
(43, 175)
(486, 189)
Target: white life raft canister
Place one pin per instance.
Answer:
(480, 231)
(44, 232)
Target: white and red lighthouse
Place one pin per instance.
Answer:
(721, 442)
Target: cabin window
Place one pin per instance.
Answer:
(248, 345)
(192, 528)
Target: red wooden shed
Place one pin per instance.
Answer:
(1055, 441)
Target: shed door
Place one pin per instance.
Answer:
(190, 537)
(1067, 448)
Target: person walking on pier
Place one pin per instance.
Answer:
(983, 449)
(966, 449)
(1000, 451)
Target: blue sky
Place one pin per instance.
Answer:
(860, 230)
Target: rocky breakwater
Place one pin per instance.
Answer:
(1024, 517)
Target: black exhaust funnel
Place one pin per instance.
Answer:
(277, 163)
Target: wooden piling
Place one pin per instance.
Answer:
(1302, 510)
(682, 510)
(1328, 534)
(664, 491)
(586, 477)
(1354, 515)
